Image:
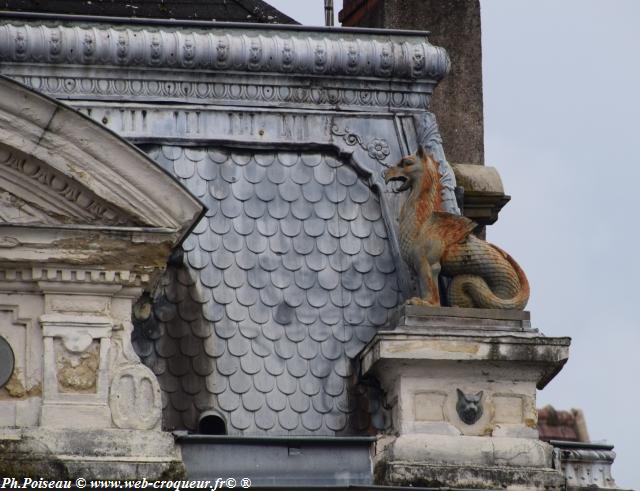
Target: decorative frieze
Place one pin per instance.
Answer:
(237, 91)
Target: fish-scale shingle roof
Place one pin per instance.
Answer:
(283, 281)
(255, 11)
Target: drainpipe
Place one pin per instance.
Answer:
(328, 13)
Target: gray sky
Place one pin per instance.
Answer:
(561, 104)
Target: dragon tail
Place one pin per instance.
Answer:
(473, 291)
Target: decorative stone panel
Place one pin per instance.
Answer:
(76, 358)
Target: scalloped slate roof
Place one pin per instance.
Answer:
(281, 284)
(257, 11)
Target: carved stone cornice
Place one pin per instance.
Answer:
(585, 465)
(220, 48)
(327, 68)
(73, 275)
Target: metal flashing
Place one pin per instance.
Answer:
(280, 462)
(207, 24)
(316, 440)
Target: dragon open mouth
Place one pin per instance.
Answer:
(405, 183)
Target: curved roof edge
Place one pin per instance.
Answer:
(81, 150)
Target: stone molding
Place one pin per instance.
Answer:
(371, 72)
(58, 137)
(65, 197)
(138, 250)
(63, 453)
(585, 465)
(220, 48)
(524, 349)
(80, 275)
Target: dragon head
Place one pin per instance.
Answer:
(410, 170)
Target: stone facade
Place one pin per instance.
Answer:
(81, 241)
(242, 280)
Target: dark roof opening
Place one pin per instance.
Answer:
(212, 424)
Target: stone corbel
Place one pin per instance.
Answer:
(484, 194)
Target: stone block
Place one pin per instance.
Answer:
(508, 408)
(84, 415)
(89, 453)
(435, 476)
(471, 451)
(429, 406)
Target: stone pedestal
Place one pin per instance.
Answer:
(461, 386)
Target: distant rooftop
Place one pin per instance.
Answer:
(254, 11)
(562, 425)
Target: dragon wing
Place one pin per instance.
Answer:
(451, 228)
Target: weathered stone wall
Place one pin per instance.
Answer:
(454, 25)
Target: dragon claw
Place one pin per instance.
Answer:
(421, 302)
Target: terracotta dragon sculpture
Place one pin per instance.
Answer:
(434, 242)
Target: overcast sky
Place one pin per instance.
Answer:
(561, 105)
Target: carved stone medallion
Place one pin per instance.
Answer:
(469, 407)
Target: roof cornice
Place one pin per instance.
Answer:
(402, 56)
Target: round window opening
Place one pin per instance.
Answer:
(7, 361)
